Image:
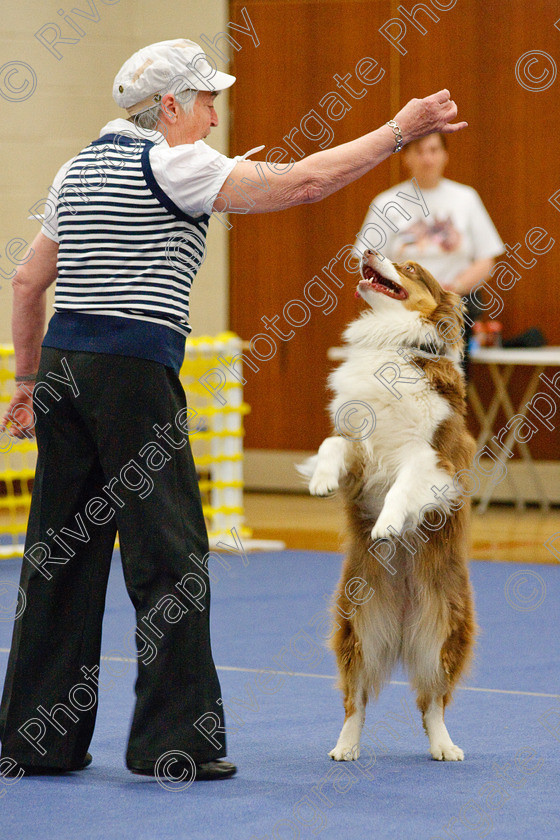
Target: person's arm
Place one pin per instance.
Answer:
(472, 276)
(28, 327)
(323, 173)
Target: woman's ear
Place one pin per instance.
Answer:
(169, 109)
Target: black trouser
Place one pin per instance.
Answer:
(93, 446)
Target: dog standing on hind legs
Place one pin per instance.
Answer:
(407, 512)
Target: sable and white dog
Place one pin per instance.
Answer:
(404, 593)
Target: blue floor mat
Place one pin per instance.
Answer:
(271, 616)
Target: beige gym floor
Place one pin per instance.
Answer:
(502, 533)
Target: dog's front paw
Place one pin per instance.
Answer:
(322, 483)
(393, 518)
(447, 752)
(380, 533)
(344, 752)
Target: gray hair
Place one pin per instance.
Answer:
(149, 119)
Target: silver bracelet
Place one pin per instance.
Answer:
(28, 377)
(398, 135)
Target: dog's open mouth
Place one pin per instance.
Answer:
(378, 283)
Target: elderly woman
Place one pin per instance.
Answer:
(447, 229)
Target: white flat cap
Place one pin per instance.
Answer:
(165, 67)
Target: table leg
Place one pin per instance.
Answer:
(502, 396)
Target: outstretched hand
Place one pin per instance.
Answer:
(420, 117)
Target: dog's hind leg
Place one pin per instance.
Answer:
(367, 642)
(348, 745)
(429, 679)
(435, 670)
(455, 656)
(351, 670)
(366, 648)
(442, 747)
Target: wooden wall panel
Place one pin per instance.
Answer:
(508, 154)
(303, 45)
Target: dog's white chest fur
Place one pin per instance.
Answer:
(390, 401)
(395, 390)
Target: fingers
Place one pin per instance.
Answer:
(12, 429)
(449, 105)
(442, 105)
(20, 432)
(443, 99)
(8, 419)
(15, 428)
(451, 128)
(450, 114)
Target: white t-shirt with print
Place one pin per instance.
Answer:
(444, 229)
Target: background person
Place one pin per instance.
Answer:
(121, 208)
(457, 242)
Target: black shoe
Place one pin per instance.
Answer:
(38, 770)
(215, 770)
(209, 771)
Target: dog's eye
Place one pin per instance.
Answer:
(409, 268)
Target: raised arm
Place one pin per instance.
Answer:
(30, 283)
(323, 173)
(472, 276)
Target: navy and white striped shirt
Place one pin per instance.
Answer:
(126, 250)
(124, 247)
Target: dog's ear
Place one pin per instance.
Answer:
(448, 317)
